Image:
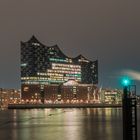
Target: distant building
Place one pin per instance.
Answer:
(111, 96)
(45, 67)
(8, 96)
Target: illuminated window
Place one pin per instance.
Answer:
(26, 89)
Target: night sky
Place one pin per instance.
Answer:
(107, 30)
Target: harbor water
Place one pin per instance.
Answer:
(62, 124)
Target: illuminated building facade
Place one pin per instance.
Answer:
(9, 96)
(72, 93)
(48, 65)
(109, 96)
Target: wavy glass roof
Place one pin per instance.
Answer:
(34, 40)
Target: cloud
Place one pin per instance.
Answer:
(133, 74)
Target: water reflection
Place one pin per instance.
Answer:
(61, 124)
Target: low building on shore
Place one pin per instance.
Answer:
(9, 96)
(69, 92)
(111, 96)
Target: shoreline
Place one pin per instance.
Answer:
(39, 106)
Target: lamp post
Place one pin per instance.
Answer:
(129, 111)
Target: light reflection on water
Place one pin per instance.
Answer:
(62, 124)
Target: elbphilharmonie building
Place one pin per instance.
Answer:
(49, 66)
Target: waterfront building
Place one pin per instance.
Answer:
(9, 96)
(44, 67)
(110, 96)
(66, 93)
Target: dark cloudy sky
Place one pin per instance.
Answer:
(108, 30)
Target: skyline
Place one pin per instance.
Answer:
(108, 31)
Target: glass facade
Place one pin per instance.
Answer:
(42, 64)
